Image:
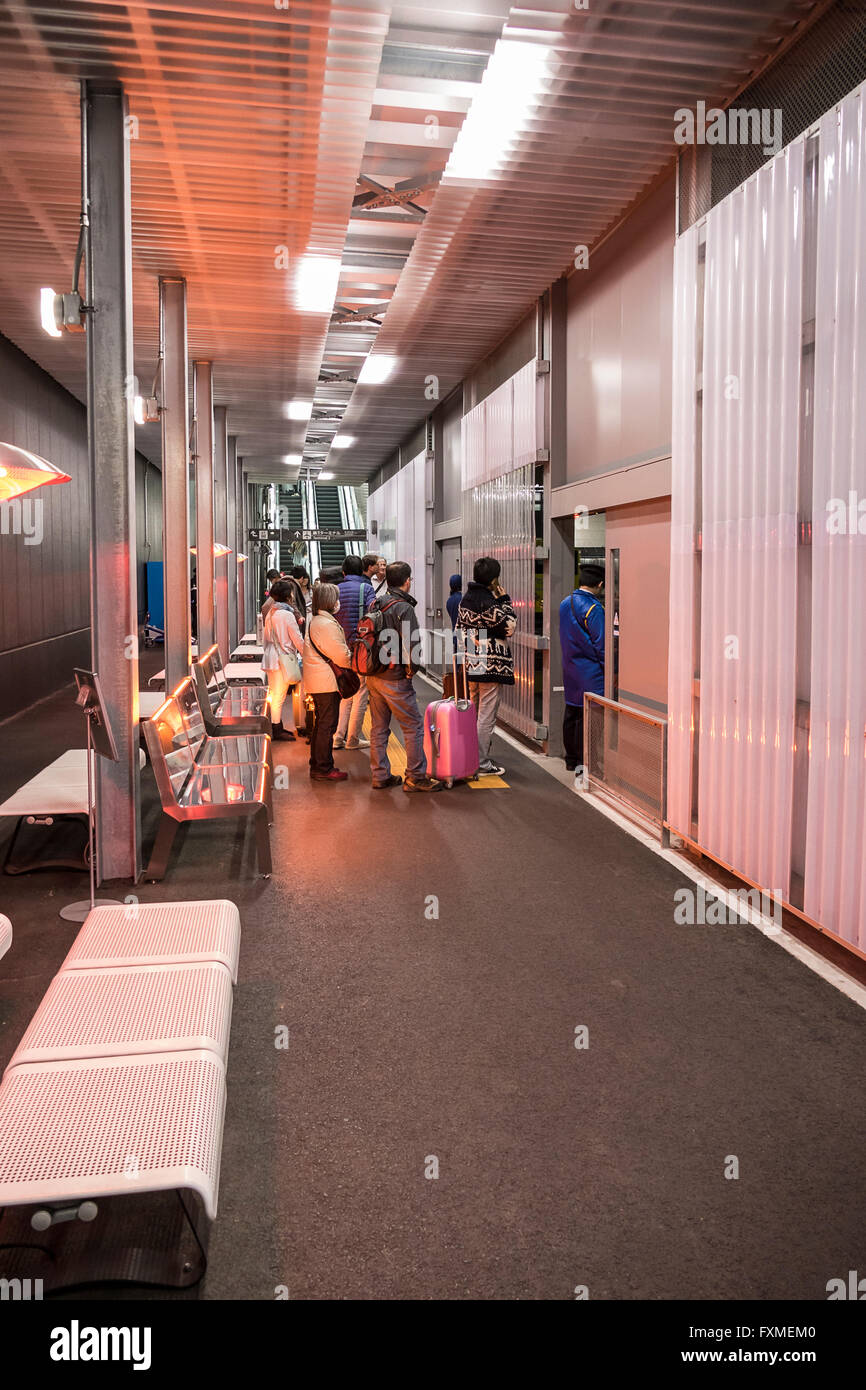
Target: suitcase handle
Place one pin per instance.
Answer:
(465, 664)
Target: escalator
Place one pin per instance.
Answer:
(329, 517)
(291, 514)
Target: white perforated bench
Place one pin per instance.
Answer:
(117, 1090)
(127, 1010)
(94, 1128)
(58, 792)
(5, 934)
(158, 934)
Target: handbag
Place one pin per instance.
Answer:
(348, 683)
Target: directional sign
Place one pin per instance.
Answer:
(304, 535)
(263, 533)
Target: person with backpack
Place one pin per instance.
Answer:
(387, 652)
(486, 619)
(581, 637)
(356, 596)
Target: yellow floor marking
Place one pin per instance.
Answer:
(493, 783)
(396, 751)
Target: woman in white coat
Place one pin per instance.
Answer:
(283, 645)
(324, 639)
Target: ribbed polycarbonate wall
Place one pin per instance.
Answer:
(498, 518)
(768, 568)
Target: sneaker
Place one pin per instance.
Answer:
(391, 782)
(335, 775)
(353, 747)
(423, 784)
(490, 769)
(337, 742)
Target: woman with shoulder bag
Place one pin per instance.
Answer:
(282, 644)
(327, 677)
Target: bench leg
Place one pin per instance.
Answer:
(263, 842)
(168, 828)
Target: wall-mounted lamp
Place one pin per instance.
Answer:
(21, 471)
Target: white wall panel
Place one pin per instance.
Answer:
(835, 877)
(751, 396)
(681, 664)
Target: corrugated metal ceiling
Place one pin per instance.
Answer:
(262, 133)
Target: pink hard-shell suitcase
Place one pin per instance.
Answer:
(451, 735)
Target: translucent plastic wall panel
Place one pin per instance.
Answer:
(751, 402)
(525, 383)
(835, 875)
(472, 430)
(684, 461)
(500, 433)
(499, 450)
(498, 520)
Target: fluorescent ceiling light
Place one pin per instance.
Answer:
(510, 90)
(47, 314)
(323, 477)
(316, 287)
(299, 410)
(293, 460)
(342, 441)
(376, 369)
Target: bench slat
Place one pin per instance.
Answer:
(88, 1129)
(131, 1009)
(158, 934)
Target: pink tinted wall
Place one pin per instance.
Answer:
(642, 534)
(619, 344)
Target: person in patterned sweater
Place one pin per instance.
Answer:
(487, 620)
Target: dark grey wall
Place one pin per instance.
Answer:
(44, 578)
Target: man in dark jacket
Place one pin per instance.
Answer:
(356, 596)
(487, 618)
(392, 693)
(581, 636)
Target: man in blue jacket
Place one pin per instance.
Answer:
(356, 596)
(581, 636)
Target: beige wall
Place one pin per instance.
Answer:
(641, 532)
(619, 344)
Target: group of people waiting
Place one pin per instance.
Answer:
(314, 631)
(310, 632)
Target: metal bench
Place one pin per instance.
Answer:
(5, 934)
(112, 1107)
(158, 934)
(229, 709)
(204, 778)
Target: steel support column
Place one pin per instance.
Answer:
(235, 633)
(174, 418)
(111, 445)
(204, 519)
(221, 530)
(559, 537)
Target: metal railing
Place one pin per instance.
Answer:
(625, 759)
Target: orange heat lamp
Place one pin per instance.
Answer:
(218, 550)
(21, 471)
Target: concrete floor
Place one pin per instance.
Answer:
(415, 1037)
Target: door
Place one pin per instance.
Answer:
(448, 561)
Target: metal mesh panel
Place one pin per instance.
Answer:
(624, 756)
(822, 67)
(498, 520)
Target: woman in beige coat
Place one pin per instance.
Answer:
(320, 681)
